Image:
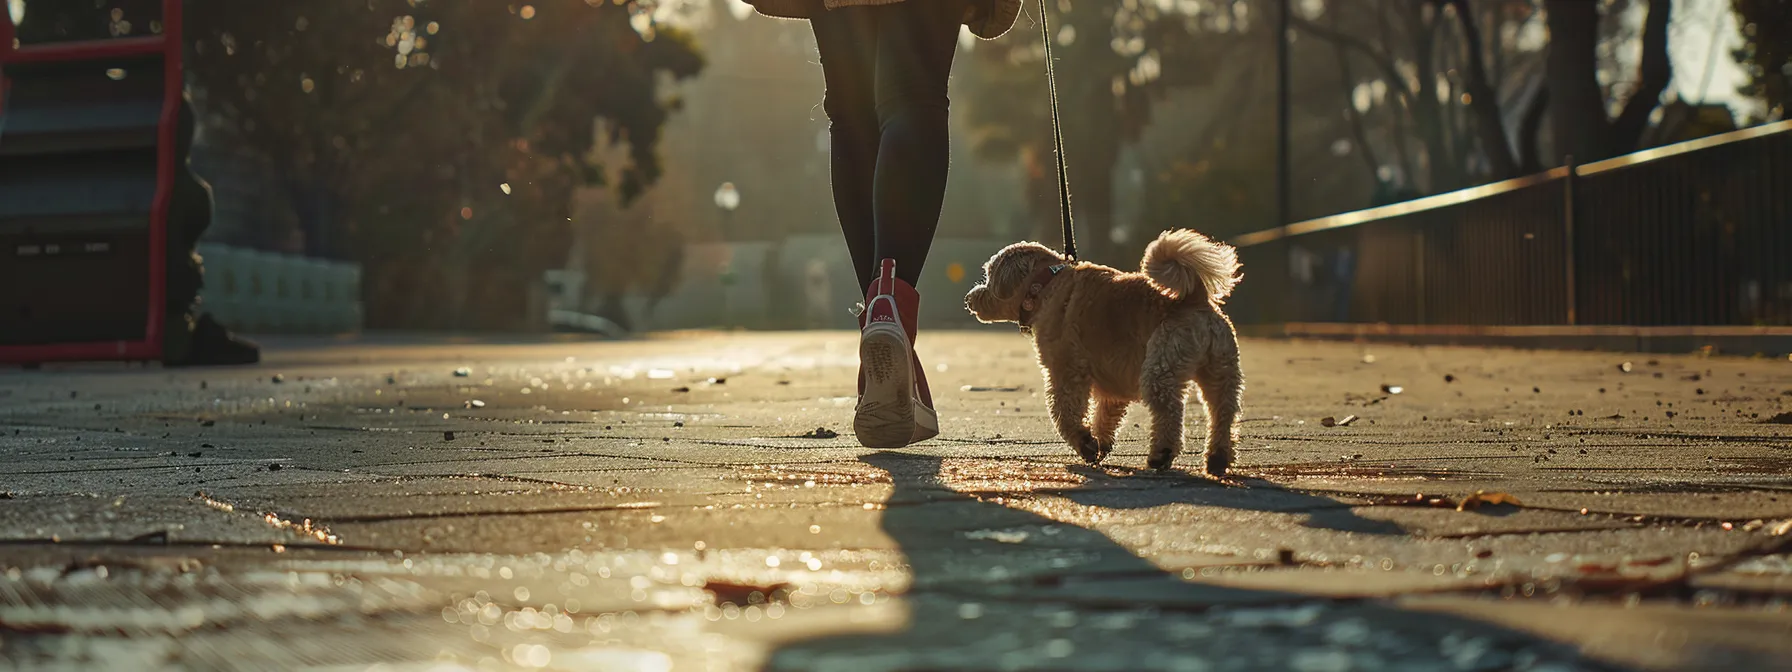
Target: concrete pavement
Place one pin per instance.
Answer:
(695, 501)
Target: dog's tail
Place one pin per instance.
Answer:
(1183, 264)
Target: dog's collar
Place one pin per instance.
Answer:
(1035, 285)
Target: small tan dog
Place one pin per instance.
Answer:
(1125, 337)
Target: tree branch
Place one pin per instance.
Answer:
(1348, 82)
(1345, 40)
(1654, 73)
(1529, 154)
(1482, 98)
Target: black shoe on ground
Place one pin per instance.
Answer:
(213, 345)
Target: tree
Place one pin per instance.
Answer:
(438, 143)
(1578, 103)
(1114, 61)
(1766, 54)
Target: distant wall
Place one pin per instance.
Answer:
(266, 292)
(802, 282)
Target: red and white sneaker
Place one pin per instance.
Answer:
(895, 405)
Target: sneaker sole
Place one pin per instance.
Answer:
(886, 413)
(927, 424)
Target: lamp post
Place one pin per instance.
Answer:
(727, 199)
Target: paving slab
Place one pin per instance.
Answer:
(695, 501)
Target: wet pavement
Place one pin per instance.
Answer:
(696, 502)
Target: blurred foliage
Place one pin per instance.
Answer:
(1420, 96)
(1114, 61)
(437, 142)
(1766, 54)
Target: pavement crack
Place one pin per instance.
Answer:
(438, 515)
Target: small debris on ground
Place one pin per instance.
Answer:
(1329, 421)
(447, 436)
(718, 381)
(156, 537)
(1392, 389)
(1626, 367)
(462, 372)
(475, 403)
(820, 433)
(1449, 378)
(276, 466)
(682, 388)
(278, 378)
(989, 388)
(1418, 499)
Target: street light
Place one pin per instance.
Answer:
(727, 198)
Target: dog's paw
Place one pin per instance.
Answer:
(1160, 464)
(1104, 449)
(1218, 462)
(1091, 450)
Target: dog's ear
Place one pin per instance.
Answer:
(1011, 267)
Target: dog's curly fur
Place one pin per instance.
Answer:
(1123, 337)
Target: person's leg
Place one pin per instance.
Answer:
(192, 337)
(915, 45)
(847, 41)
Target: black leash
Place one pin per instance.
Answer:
(1051, 81)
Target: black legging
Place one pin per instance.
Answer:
(886, 68)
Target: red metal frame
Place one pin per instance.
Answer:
(169, 45)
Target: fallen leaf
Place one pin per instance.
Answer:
(1597, 567)
(746, 594)
(1485, 498)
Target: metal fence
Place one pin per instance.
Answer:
(1695, 233)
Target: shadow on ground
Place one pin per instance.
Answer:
(1068, 597)
(1129, 488)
